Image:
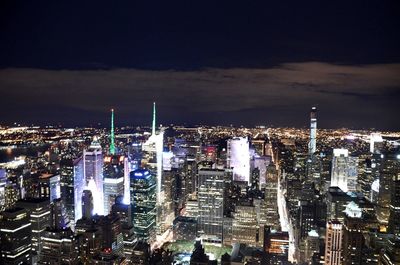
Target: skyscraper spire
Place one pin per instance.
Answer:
(153, 129)
(112, 144)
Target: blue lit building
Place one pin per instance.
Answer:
(79, 185)
(143, 199)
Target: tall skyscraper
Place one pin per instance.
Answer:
(313, 131)
(67, 187)
(15, 237)
(79, 183)
(394, 207)
(3, 183)
(239, 158)
(124, 211)
(143, 199)
(114, 180)
(389, 171)
(93, 170)
(333, 243)
(344, 170)
(153, 160)
(244, 225)
(353, 239)
(39, 213)
(112, 143)
(59, 245)
(211, 204)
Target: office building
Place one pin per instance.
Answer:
(313, 131)
(143, 199)
(15, 237)
(239, 158)
(353, 239)
(39, 214)
(211, 204)
(334, 243)
(244, 224)
(114, 179)
(93, 172)
(394, 207)
(344, 170)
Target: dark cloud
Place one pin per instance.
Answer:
(346, 95)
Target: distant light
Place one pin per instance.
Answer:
(398, 156)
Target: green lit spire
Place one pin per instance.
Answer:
(112, 144)
(153, 129)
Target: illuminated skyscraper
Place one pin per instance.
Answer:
(313, 131)
(333, 243)
(114, 179)
(389, 171)
(344, 170)
(3, 183)
(143, 199)
(39, 213)
(15, 237)
(239, 158)
(211, 204)
(93, 170)
(394, 207)
(353, 239)
(79, 185)
(244, 225)
(153, 160)
(67, 179)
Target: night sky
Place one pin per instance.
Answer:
(232, 62)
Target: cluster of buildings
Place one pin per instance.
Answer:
(141, 195)
(340, 196)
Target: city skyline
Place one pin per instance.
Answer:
(258, 64)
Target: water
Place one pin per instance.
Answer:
(9, 154)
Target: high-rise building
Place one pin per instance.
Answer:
(344, 170)
(39, 213)
(3, 183)
(276, 246)
(211, 204)
(239, 158)
(389, 171)
(337, 201)
(78, 184)
(15, 237)
(124, 211)
(152, 159)
(49, 186)
(244, 225)
(59, 245)
(353, 239)
(365, 176)
(333, 243)
(67, 187)
(313, 131)
(58, 216)
(394, 207)
(306, 218)
(143, 199)
(114, 179)
(93, 170)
